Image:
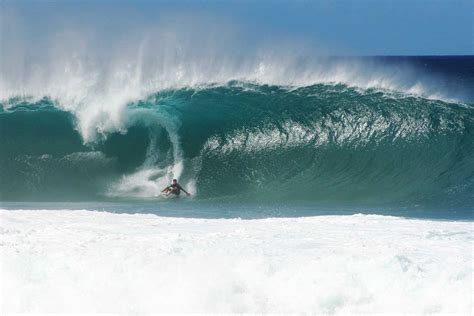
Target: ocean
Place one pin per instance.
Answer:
(327, 185)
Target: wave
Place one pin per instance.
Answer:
(324, 143)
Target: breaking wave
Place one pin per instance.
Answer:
(241, 141)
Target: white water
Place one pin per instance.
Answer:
(98, 262)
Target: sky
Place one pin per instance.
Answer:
(357, 27)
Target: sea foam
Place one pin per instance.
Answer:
(98, 262)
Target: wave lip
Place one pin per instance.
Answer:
(328, 264)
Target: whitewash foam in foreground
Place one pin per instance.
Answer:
(98, 262)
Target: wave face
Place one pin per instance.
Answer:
(327, 144)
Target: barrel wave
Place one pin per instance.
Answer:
(327, 144)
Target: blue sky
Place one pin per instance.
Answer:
(357, 27)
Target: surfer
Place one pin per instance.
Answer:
(174, 188)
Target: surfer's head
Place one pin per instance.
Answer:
(175, 181)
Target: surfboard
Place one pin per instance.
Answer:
(170, 196)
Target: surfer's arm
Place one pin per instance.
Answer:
(181, 188)
(165, 189)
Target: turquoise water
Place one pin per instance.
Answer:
(250, 150)
(212, 209)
